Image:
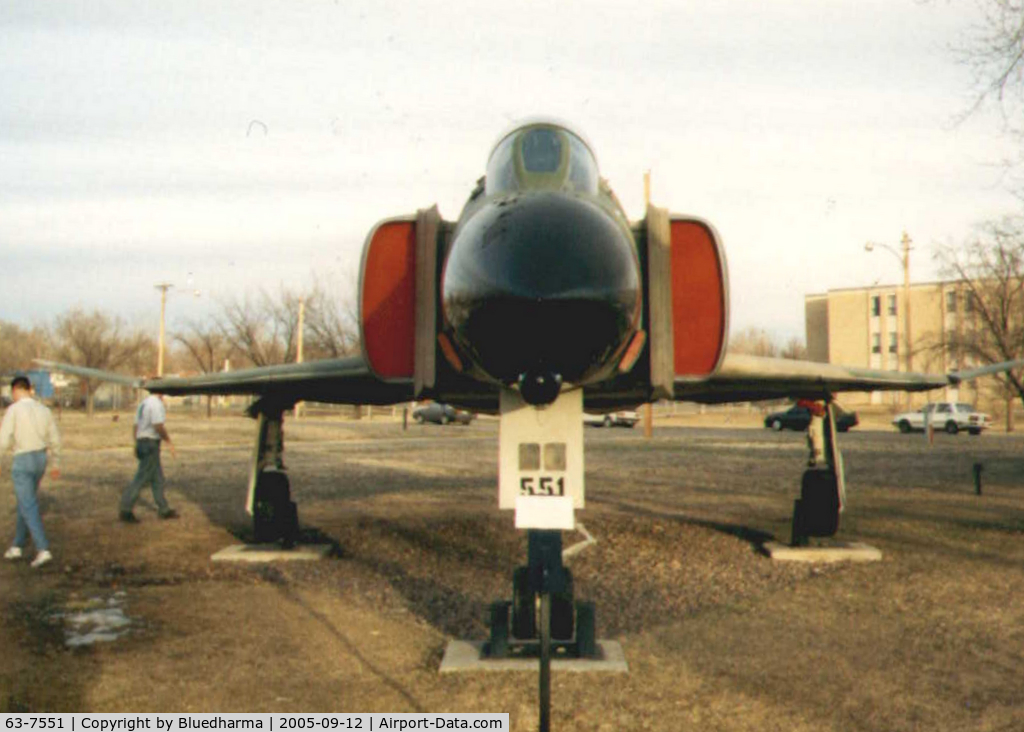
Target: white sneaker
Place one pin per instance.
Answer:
(13, 553)
(41, 558)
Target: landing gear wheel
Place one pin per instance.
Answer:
(816, 513)
(586, 630)
(563, 611)
(497, 647)
(275, 517)
(524, 605)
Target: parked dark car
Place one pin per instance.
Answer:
(441, 414)
(798, 418)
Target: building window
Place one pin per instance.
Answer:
(876, 342)
(891, 304)
(951, 301)
(892, 343)
(969, 302)
(876, 306)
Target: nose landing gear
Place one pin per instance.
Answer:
(543, 620)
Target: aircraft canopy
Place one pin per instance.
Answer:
(541, 157)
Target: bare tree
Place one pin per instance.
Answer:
(795, 349)
(994, 52)
(331, 324)
(18, 346)
(991, 272)
(206, 346)
(263, 328)
(96, 340)
(753, 342)
(283, 313)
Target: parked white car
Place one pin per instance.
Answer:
(626, 418)
(949, 416)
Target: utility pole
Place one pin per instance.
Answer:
(298, 345)
(648, 408)
(302, 321)
(163, 287)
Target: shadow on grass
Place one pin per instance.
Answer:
(755, 537)
(353, 649)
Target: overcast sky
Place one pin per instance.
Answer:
(253, 144)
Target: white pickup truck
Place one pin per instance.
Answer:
(949, 416)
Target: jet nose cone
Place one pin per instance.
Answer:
(543, 283)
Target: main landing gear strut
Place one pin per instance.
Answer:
(823, 488)
(542, 620)
(274, 514)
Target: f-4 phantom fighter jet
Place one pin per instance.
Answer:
(540, 301)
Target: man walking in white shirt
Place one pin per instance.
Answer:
(28, 427)
(148, 431)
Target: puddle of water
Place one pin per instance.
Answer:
(96, 620)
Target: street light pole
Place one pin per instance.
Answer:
(905, 241)
(904, 256)
(163, 287)
(648, 409)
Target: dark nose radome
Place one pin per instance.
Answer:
(542, 286)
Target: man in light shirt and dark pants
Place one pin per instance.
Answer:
(29, 429)
(148, 431)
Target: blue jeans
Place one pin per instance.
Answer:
(26, 472)
(150, 471)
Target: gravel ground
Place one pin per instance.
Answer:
(716, 635)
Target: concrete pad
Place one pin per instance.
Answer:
(259, 553)
(463, 656)
(840, 551)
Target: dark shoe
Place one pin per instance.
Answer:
(128, 517)
(170, 513)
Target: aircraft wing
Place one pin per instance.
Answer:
(743, 378)
(349, 381)
(336, 381)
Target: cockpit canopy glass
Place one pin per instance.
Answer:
(541, 157)
(542, 150)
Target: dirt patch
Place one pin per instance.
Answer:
(717, 637)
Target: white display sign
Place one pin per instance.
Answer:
(540, 458)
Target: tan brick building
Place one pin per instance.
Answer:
(864, 327)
